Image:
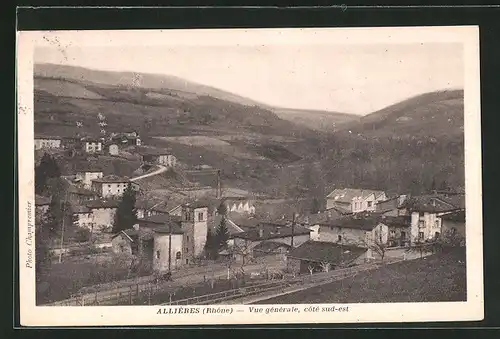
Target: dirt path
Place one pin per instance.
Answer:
(160, 170)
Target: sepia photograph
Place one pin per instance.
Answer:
(250, 176)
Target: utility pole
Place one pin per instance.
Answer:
(169, 247)
(62, 226)
(219, 192)
(293, 229)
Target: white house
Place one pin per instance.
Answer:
(113, 149)
(86, 176)
(92, 145)
(161, 157)
(42, 142)
(103, 213)
(355, 200)
(239, 205)
(110, 186)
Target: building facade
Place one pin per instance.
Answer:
(113, 149)
(92, 145)
(87, 176)
(110, 186)
(42, 142)
(165, 242)
(354, 200)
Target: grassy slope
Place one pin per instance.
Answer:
(436, 278)
(431, 114)
(317, 120)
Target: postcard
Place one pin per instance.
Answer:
(249, 176)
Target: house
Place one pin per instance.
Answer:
(162, 157)
(87, 173)
(392, 206)
(168, 248)
(41, 204)
(245, 242)
(148, 207)
(113, 149)
(111, 186)
(126, 241)
(239, 205)
(103, 213)
(91, 145)
(398, 230)
(354, 200)
(322, 256)
(126, 139)
(193, 223)
(71, 142)
(43, 142)
(83, 217)
(426, 212)
(78, 195)
(359, 230)
(272, 249)
(453, 224)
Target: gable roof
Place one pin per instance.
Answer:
(80, 209)
(112, 179)
(102, 203)
(232, 227)
(161, 219)
(270, 246)
(41, 200)
(434, 203)
(346, 195)
(457, 216)
(321, 251)
(272, 232)
(360, 222)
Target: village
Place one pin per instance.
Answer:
(220, 235)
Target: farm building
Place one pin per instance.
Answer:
(162, 157)
(111, 186)
(42, 141)
(324, 256)
(354, 200)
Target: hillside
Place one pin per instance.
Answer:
(409, 146)
(317, 120)
(431, 114)
(129, 79)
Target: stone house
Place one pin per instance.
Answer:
(103, 213)
(162, 157)
(83, 217)
(355, 200)
(322, 256)
(111, 186)
(453, 224)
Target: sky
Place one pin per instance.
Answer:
(350, 78)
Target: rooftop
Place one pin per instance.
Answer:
(161, 219)
(271, 232)
(347, 194)
(175, 229)
(102, 203)
(80, 209)
(319, 251)
(47, 137)
(80, 191)
(270, 246)
(399, 221)
(366, 223)
(112, 179)
(457, 216)
(435, 203)
(41, 200)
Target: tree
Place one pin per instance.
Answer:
(42, 250)
(46, 169)
(222, 234)
(211, 245)
(83, 235)
(126, 215)
(311, 269)
(325, 266)
(379, 247)
(315, 208)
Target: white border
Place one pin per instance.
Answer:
(32, 315)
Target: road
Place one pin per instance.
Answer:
(160, 170)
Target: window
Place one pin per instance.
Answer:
(187, 261)
(178, 255)
(200, 216)
(421, 224)
(122, 248)
(370, 203)
(436, 235)
(187, 237)
(392, 233)
(109, 186)
(339, 237)
(187, 250)
(157, 254)
(436, 223)
(420, 235)
(403, 235)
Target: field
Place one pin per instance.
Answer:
(435, 278)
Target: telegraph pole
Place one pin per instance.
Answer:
(219, 193)
(293, 229)
(62, 226)
(169, 247)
